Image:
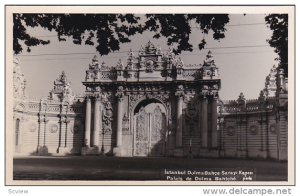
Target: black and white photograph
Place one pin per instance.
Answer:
(158, 95)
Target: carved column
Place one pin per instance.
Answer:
(67, 120)
(63, 134)
(19, 140)
(39, 131)
(87, 123)
(120, 97)
(179, 121)
(45, 129)
(18, 122)
(178, 142)
(214, 118)
(96, 122)
(119, 123)
(204, 122)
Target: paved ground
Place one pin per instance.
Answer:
(115, 168)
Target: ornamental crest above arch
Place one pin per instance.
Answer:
(135, 99)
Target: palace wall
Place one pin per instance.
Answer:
(193, 121)
(50, 127)
(254, 130)
(257, 129)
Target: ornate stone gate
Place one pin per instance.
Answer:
(183, 116)
(104, 120)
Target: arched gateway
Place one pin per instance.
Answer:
(150, 129)
(152, 105)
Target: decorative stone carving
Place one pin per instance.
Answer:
(130, 60)
(272, 128)
(180, 92)
(179, 64)
(94, 64)
(107, 117)
(120, 65)
(20, 107)
(253, 130)
(19, 81)
(209, 69)
(270, 83)
(191, 112)
(62, 89)
(125, 125)
(230, 131)
(77, 127)
(242, 101)
(133, 99)
(32, 127)
(120, 93)
(209, 60)
(158, 131)
(53, 128)
(142, 133)
(150, 49)
(149, 66)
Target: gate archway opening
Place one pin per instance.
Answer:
(150, 127)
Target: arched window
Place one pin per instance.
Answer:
(17, 132)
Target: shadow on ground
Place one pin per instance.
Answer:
(116, 168)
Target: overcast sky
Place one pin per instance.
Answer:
(242, 69)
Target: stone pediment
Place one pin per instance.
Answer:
(150, 64)
(62, 91)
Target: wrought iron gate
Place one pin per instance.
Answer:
(150, 128)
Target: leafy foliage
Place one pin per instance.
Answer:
(279, 40)
(107, 31)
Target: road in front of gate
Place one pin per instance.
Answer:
(117, 168)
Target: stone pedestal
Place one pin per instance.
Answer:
(42, 151)
(117, 151)
(64, 150)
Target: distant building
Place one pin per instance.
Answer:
(152, 105)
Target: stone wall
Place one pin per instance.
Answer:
(245, 128)
(254, 128)
(49, 127)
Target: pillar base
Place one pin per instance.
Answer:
(90, 150)
(117, 151)
(63, 150)
(42, 150)
(178, 152)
